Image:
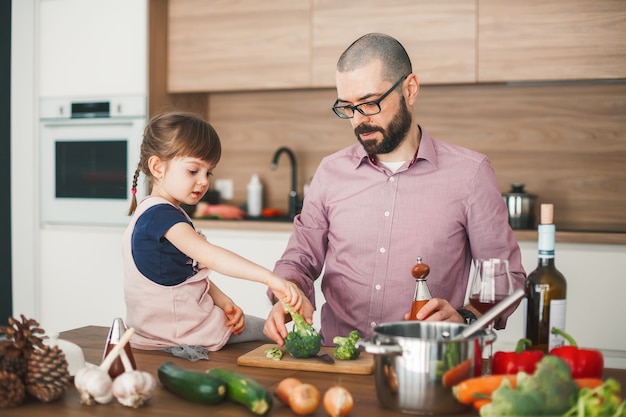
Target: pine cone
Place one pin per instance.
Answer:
(24, 334)
(12, 392)
(47, 376)
(21, 340)
(12, 360)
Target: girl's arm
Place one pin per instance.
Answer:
(221, 260)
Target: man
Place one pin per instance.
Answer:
(374, 207)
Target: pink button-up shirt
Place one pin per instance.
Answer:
(365, 226)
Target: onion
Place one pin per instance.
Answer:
(338, 401)
(304, 399)
(284, 389)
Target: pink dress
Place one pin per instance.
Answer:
(167, 316)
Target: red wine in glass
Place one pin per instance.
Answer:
(483, 305)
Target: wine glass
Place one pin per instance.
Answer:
(491, 283)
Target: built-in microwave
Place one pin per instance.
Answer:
(89, 152)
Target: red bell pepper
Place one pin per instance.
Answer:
(519, 361)
(584, 363)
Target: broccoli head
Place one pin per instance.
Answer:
(346, 349)
(303, 340)
(549, 391)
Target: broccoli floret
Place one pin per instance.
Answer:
(345, 349)
(303, 340)
(274, 353)
(549, 391)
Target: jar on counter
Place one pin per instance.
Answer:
(521, 207)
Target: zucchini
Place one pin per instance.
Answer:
(244, 390)
(191, 385)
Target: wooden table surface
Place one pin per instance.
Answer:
(164, 403)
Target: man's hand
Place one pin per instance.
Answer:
(438, 309)
(275, 327)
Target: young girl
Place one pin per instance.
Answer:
(170, 300)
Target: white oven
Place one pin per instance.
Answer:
(89, 152)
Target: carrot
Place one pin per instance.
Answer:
(479, 403)
(457, 374)
(588, 382)
(481, 387)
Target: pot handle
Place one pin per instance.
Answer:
(378, 349)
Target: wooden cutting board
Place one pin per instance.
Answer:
(364, 365)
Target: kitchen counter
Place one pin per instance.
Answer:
(617, 238)
(164, 403)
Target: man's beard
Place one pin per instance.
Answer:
(393, 136)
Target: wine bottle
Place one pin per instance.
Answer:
(545, 290)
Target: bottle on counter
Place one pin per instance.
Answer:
(255, 196)
(545, 290)
(422, 294)
(115, 334)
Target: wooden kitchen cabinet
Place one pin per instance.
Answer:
(439, 36)
(246, 45)
(551, 40)
(218, 45)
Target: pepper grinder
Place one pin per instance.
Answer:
(422, 294)
(115, 334)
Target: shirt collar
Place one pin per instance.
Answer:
(425, 150)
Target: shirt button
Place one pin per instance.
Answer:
(386, 214)
(392, 179)
(373, 324)
(377, 287)
(381, 250)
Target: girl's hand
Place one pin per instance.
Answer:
(235, 317)
(287, 292)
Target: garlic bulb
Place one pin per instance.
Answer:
(134, 388)
(94, 385)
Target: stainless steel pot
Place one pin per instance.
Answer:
(521, 207)
(412, 358)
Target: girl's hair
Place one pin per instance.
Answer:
(175, 134)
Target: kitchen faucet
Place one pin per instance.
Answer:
(294, 202)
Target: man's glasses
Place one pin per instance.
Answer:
(366, 109)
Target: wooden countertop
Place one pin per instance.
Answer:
(164, 403)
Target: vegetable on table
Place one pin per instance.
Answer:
(451, 369)
(477, 391)
(304, 399)
(303, 340)
(346, 349)
(520, 360)
(274, 353)
(603, 400)
(550, 391)
(192, 385)
(133, 387)
(584, 363)
(284, 389)
(480, 388)
(338, 401)
(588, 382)
(94, 383)
(244, 390)
(457, 373)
